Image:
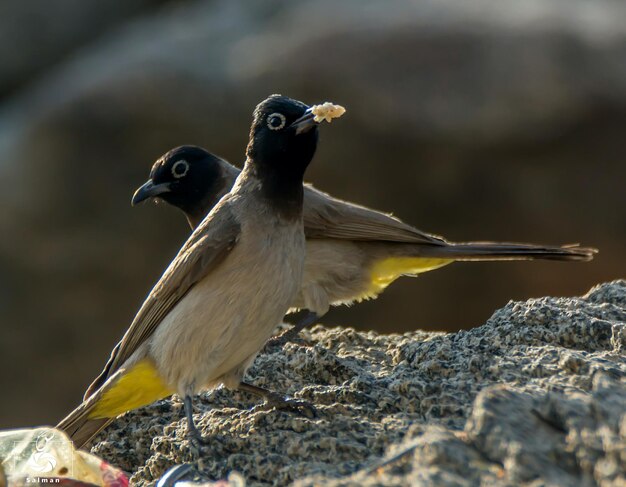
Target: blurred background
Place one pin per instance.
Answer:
(474, 120)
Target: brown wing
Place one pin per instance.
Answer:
(328, 217)
(205, 249)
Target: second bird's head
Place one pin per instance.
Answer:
(189, 178)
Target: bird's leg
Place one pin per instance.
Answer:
(192, 431)
(273, 399)
(308, 319)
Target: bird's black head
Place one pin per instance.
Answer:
(283, 139)
(189, 178)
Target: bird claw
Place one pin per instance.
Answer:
(280, 340)
(196, 439)
(290, 405)
(291, 335)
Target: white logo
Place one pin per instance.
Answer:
(41, 461)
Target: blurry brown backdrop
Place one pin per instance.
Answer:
(474, 120)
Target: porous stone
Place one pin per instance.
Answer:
(535, 396)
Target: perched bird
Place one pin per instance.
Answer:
(227, 289)
(352, 252)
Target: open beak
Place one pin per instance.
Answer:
(305, 123)
(149, 190)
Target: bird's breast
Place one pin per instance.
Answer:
(228, 316)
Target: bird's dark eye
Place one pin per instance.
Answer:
(276, 121)
(180, 168)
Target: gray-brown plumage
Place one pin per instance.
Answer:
(353, 252)
(227, 289)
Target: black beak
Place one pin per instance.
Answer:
(149, 190)
(305, 123)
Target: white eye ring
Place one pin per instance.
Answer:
(175, 167)
(283, 121)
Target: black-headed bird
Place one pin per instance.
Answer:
(225, 292)
(352, 252)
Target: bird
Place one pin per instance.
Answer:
(226, 290)
(353, 253)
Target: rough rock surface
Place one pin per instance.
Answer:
(536, 396)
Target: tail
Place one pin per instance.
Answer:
(79, 427)
(127, 389)
(506, 251)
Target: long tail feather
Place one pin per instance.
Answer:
(506, 251)
(80, 428)
(78, 425)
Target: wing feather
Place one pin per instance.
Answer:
(328, 217)
(205, 249)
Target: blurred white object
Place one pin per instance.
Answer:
(44, 455)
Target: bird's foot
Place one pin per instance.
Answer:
(278, 401)
(279, 341)
(295, 406)
(291, 335)
(193, 433)
(195, 437)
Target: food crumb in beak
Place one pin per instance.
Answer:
(327, 111)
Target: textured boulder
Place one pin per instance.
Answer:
(536, 396)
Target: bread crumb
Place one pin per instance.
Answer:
(327, 111)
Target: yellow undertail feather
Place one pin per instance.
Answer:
(139, 386)
(386, 271)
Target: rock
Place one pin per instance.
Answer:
(471, 120)
(535, 396)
